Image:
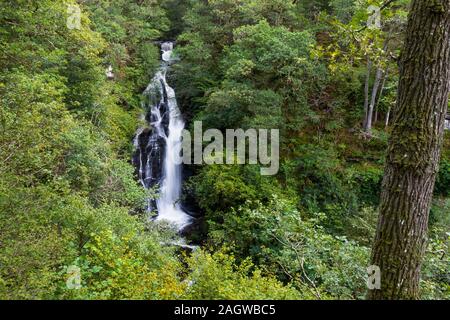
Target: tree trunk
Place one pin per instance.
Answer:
(375, 117)
(380, 96)
(414, 150)
(376, 85)
(388, 115)
(366, 92)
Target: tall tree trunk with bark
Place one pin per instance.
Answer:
(414, 151)
(366, 91)
(376, 85)
(388, 116)
(380, 96)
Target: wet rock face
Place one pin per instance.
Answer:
(196, 232)
(151, 146)
(148, 159)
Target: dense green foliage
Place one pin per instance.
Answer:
(68, 194)
(300, 67)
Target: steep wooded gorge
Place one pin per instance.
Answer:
(94, 97)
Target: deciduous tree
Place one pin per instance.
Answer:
(414, 150)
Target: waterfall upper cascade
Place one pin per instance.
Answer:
(156, 147)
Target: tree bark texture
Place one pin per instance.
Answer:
(414, 150)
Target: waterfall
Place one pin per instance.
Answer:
(157, 146)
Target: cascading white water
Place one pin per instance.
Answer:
(167, 126)
(168, 207)
(167, 49)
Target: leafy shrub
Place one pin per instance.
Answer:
(443, 179)
(435, 282)
(367, 180)
(127, 267)
(220, 187)
(323, 186)
(217, 276)
(279, 240)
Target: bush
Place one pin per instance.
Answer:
(443, 179)
(279, 240)
(435, 282)
(220, 187)
(217, 276)
(131, 266)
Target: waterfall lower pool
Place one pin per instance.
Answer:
(157, 146)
